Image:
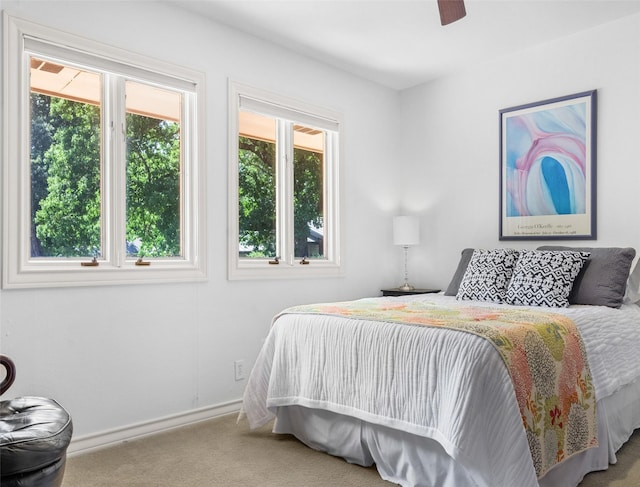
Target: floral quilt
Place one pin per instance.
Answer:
(543, 352)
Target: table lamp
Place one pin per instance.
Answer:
(406, 232)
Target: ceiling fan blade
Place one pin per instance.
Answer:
(451, 10)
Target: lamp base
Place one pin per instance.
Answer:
(406, 287)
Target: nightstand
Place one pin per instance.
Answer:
(400, 292)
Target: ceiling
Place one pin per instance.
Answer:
(400, 43)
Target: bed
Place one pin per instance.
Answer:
(386, 381)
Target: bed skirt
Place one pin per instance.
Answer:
(414, 461)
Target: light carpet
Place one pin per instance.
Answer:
(219, 452)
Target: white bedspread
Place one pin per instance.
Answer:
(443, 384)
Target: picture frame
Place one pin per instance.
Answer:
(548, 169)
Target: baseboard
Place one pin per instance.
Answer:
(85, 444)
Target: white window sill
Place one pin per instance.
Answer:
(65, 275)
(264, 270)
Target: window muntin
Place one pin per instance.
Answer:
(293, 193)
(119, 90)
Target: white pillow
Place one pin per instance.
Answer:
(632, 294)
(544, 277)
(487, 275)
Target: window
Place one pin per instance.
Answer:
(284, 197)
(103, 166)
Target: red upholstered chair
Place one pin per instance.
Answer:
(34, 435)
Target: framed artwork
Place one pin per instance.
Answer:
(548, 169)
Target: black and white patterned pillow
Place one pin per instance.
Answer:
(545, 278)
(487, 275)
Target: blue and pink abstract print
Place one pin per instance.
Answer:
(546, 162)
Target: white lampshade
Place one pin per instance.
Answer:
(406, 230)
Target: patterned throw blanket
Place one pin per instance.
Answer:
(543, 352)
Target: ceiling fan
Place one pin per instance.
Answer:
(451, 10)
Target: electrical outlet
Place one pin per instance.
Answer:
(239, 368)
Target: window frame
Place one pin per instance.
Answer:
(20, 270)
(279, 106)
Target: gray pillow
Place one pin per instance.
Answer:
(603, 279)
(452, 289)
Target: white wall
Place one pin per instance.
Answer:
(450, 140)
(117, 356)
